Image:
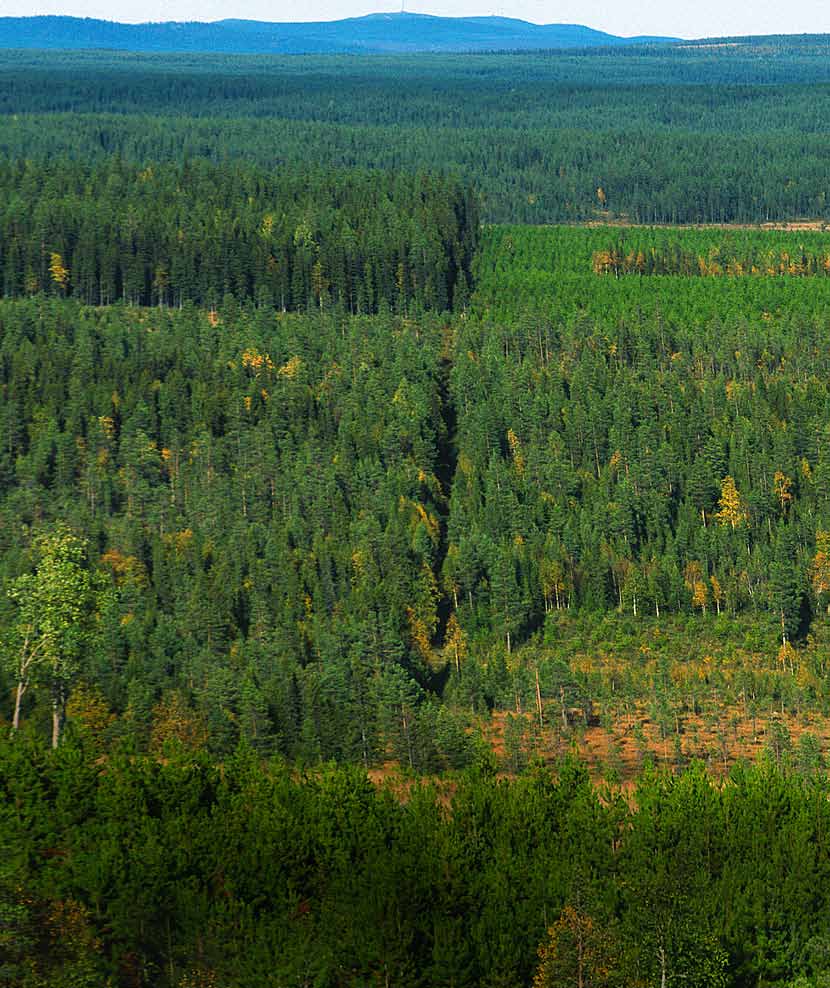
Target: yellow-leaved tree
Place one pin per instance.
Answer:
(732, 510)
(174, 720)
(782, 485)
(820, 569)
(717, 591)
(696, 584)
(59, 272)
(578, 952)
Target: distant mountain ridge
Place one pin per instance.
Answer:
(374, 33)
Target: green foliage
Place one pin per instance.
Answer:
(193, 232)
(649, 445)
(673, 134)
(55, 621)
(145, 872)
(254, 486)
(353, 488)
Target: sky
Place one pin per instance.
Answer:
(677, 18)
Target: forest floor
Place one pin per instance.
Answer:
(615, 755)
(718, 738)
(793, 226)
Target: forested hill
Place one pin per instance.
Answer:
(373, 33)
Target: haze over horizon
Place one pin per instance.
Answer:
(709, 18)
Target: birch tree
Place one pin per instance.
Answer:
(55, 621)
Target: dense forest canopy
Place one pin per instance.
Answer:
(272, 480)
(307, 478)
(402, 500)
(688, 135)
(169, 234)
(619, 421)
(188, 873)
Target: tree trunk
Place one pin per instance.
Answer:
(406, 735)
(58, 714)
(56, 725)
(18, 700)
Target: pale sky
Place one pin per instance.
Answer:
(679, 18)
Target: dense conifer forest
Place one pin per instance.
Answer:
(184, 872)
(408, 599)
(691, 134)
(170, 234)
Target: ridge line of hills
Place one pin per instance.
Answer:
(371, 34)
